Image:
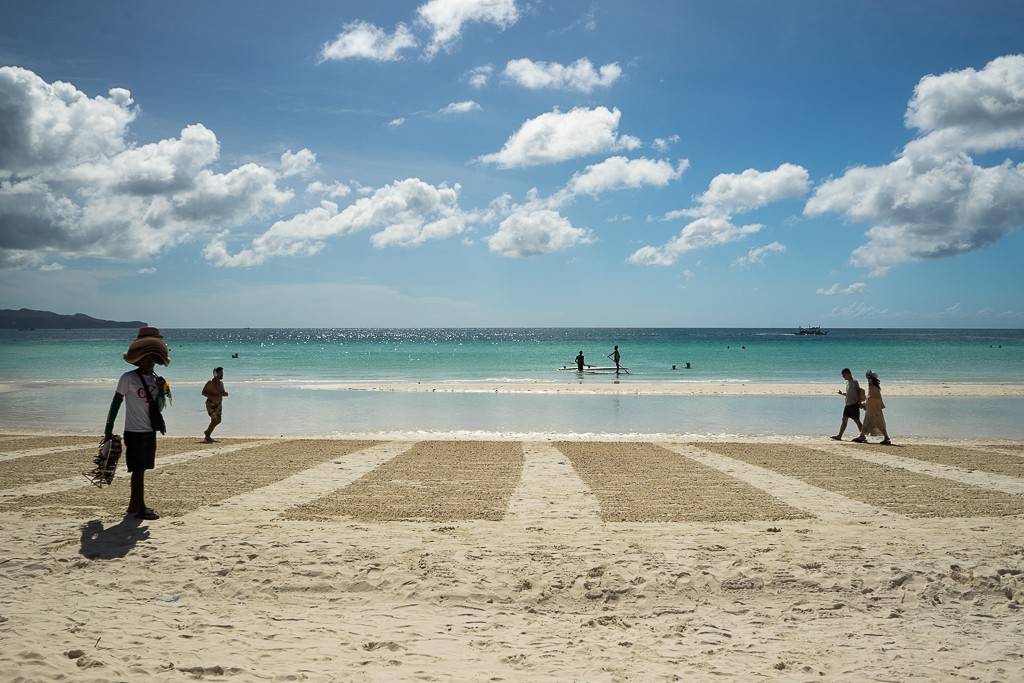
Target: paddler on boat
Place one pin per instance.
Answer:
(614, 355)
(579, 361)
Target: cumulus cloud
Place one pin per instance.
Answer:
(460, 107)
(446, 18)
(730, 193)
(335, 190)
(405, 213)
(301, 163)
(535, 232)
(555, 136)
(71, 184)
(727, 194)
(618, 172)
(935, 201)
(758, 254)
(536, 227)
(969, 110)
(700, 234)
(855, 288)
(363, 40)
(46, 125)
(579, 76)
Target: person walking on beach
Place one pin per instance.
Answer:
(143, 393)
(852, 409)
(614, 355)
(874, 419)
(214, 392)
(579, 361)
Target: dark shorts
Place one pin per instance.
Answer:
(214, 409)
(852, 411)
(140, 451)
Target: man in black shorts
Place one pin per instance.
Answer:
(851, 411)
(139, 389)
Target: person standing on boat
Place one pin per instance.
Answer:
(851, 411)
(579, 361)
(614, 355)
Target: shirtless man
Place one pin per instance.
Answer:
(214, 392)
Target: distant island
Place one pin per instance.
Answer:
(27, 319)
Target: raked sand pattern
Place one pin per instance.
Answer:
(345, 560)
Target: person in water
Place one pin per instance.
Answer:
(579, 361)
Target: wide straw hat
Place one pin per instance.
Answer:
(149, 342)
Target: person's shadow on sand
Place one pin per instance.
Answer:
(114, 542)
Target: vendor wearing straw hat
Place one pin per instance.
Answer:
(144, 394)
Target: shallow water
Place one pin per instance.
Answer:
(279, 383)
(260, 410)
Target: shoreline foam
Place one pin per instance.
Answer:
(695, 388)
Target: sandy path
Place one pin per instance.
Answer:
(816, 501)
(550, 489)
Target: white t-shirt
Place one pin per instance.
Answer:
(136, 405)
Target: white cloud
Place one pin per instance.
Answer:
(479, 76)
(554, 137)
(855, 288)
(700, 234)
(579, 76)
(460, 107)
(405, 213)
(395, 123)
(730, 193)
(969, 110)
(446, 18)
(535, 232)
(47, 125)
(727, 194)
(72, 185)
(616, 173)
(663, 144)
(146, 271)
(334, 190)
(301, 163)
(51, 267)
(934, 201)
(362, 40)
(758, 254)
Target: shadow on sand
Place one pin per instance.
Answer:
(111, 543)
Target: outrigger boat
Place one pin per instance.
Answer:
(811, 330)
(595, 369)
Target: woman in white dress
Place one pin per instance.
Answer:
(874, 419)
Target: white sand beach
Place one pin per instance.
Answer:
(789, 559)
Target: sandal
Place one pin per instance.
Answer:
(859, 440)
(147, 514)
(885, 443)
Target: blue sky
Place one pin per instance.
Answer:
(513, 163)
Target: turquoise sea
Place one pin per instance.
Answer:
(281, 380)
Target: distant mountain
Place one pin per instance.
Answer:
(25, 318)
